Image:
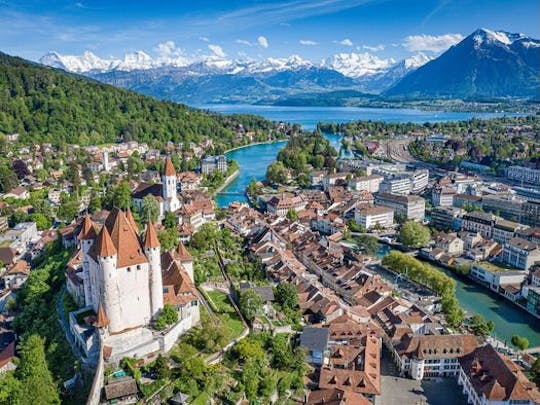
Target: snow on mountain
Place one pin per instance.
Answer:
(77, 63)
(415, 61)
(293, 62)
(495, 37)
(356, 65)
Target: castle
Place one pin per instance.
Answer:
(165, 193)
(126, 281)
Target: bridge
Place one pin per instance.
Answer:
(532, 350)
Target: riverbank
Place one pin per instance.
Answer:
(254, 144)
(227, 181)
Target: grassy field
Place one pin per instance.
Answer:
(224, 307)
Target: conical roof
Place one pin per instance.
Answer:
(182, 253)
(102, 319)
(125, 239)
(104, 245)
(131, 219)
(151, 239)
(169, 167)
(87, 230)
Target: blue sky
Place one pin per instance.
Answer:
(254, 29)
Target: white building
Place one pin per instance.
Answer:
(211, 163)
(370, 217)
(520, 253)
(366, 183)
(409, 206)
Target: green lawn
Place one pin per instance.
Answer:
(202, 399)
(224, 307)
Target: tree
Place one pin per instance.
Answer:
(369, 244)
(121, 196)
(149, 209)
(251, 305)
(414, 234)
(520, 342)
(292, 215)
(34, 375)
(161, 366)
(249, 349)
(534, 371)
(276, 173)
(167, 316)
(170, 220)
(286, 295)
(281, 352)
(168, 239)
(479, 325)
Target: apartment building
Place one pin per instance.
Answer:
(520, 253)
(446, 217)
(504, 230)
(467, 201)
(442, 196)
(507, 206)
(371, 217)
(409, 206)
(480, 222)
(530, 213)
(211, 163)
(366, 183)
(280, 204)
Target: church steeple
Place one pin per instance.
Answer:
(168, 180)
(169, 168)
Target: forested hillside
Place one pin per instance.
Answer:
(45, 104)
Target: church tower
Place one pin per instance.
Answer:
(168, 180)
(151, 247)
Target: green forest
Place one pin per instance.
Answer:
(47, 105)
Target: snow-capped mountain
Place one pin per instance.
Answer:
(486, 64)
(86, 62)
(356, 65)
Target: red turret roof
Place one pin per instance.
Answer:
(104, 245)
(150, 236)
(87, 231)
(102, 319)
(182, 253)
(131, 220)
(169, 168)
(124, 239)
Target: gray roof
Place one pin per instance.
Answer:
(265, 292)
(314, 339)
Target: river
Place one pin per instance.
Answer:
(253, 161)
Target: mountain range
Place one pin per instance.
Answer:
(485, 65)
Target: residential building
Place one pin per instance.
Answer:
(280, 204)
(499, 279)
(371, 217)
(504, 230)
(467, 201)
(409, 206)
(366, 183)
(447, 218)
(450, 243)
(520, 253)
(211, 163)
(480, 222)
(491, 378)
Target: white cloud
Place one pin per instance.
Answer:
(217, 50)
(262, 41)
(308, 42)
(415, 43)
(243, 42)
(375, 48)
(344, 42)
(204, 39)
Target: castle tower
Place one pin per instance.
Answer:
(186, 259)
(86, 238)
(152, 251)
(107, 258)
(168, 179)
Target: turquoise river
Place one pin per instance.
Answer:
(253, 161)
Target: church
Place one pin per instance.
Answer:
(165, 193)
(126, 280)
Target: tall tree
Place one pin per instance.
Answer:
(35, 377)
(149, 209)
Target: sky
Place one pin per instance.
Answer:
(254, 29)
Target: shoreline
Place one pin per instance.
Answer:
(253, 144)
